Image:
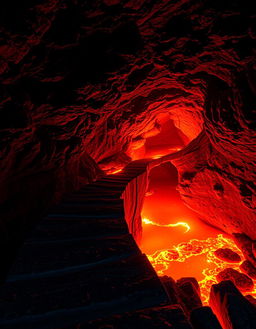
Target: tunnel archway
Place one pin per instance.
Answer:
(178, 241)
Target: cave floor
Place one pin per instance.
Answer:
(81, 266)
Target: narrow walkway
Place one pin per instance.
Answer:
(81, 264)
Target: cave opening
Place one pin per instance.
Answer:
(177, 241)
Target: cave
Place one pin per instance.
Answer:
(128, 155)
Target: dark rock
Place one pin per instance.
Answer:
(251, 299)
(232, 309)
(248, 269)
(153, 318)
(171, 289)
(242, 281)
(189, 293)
(204, 318)
(192, 280)
(245, 244)
(227, 255)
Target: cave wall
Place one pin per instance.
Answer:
(81, 81)
(210, 184)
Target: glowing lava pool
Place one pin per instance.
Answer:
(177, 242)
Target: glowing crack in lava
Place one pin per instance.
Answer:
(114, 171)
(183, 247)
(148, 221)
(163, 260)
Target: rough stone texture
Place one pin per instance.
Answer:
(242, 281)
(189, 293)
(248, 269)
(227, 255)
(133, 197)
(83, 82)
(172, 291)
(204, 318)
(245, 244)
(254, 249)
(232, 309)
(185, 292)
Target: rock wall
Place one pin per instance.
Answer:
(83, 80)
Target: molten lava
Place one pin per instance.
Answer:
(178, 253)
(148, 221)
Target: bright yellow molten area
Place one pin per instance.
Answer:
(148, 221)
(164, 260)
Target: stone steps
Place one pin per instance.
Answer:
(152, 318)
(52, 255)
(81, 264)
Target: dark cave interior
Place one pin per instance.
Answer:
(128, 156)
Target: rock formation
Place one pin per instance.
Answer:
(83, 83)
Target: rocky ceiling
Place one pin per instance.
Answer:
(83, 80)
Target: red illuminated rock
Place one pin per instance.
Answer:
(254, 249)
(246, 245)
(227, 255)
(248, 269)
(232, 309)
(242, 281)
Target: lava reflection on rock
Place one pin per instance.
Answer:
(174, 251)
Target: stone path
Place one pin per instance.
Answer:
(81, 265)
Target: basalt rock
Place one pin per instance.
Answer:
(189, 293)
(251, 299)
(232, 309)
(248, 269)
(242, 281)
(245, 244)
(227, 255)
(204, 318)
(172, 290)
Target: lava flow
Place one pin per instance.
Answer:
(148, 221)
(174, 251)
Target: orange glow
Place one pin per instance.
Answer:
(159, 138)
(115, 171)
(174, 251)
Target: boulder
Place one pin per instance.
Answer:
(242, 281)
(204, 318)
(189, 293)
(248, 268)
(232, 309)
(172, 289)
(227, 255)
(245, 244)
